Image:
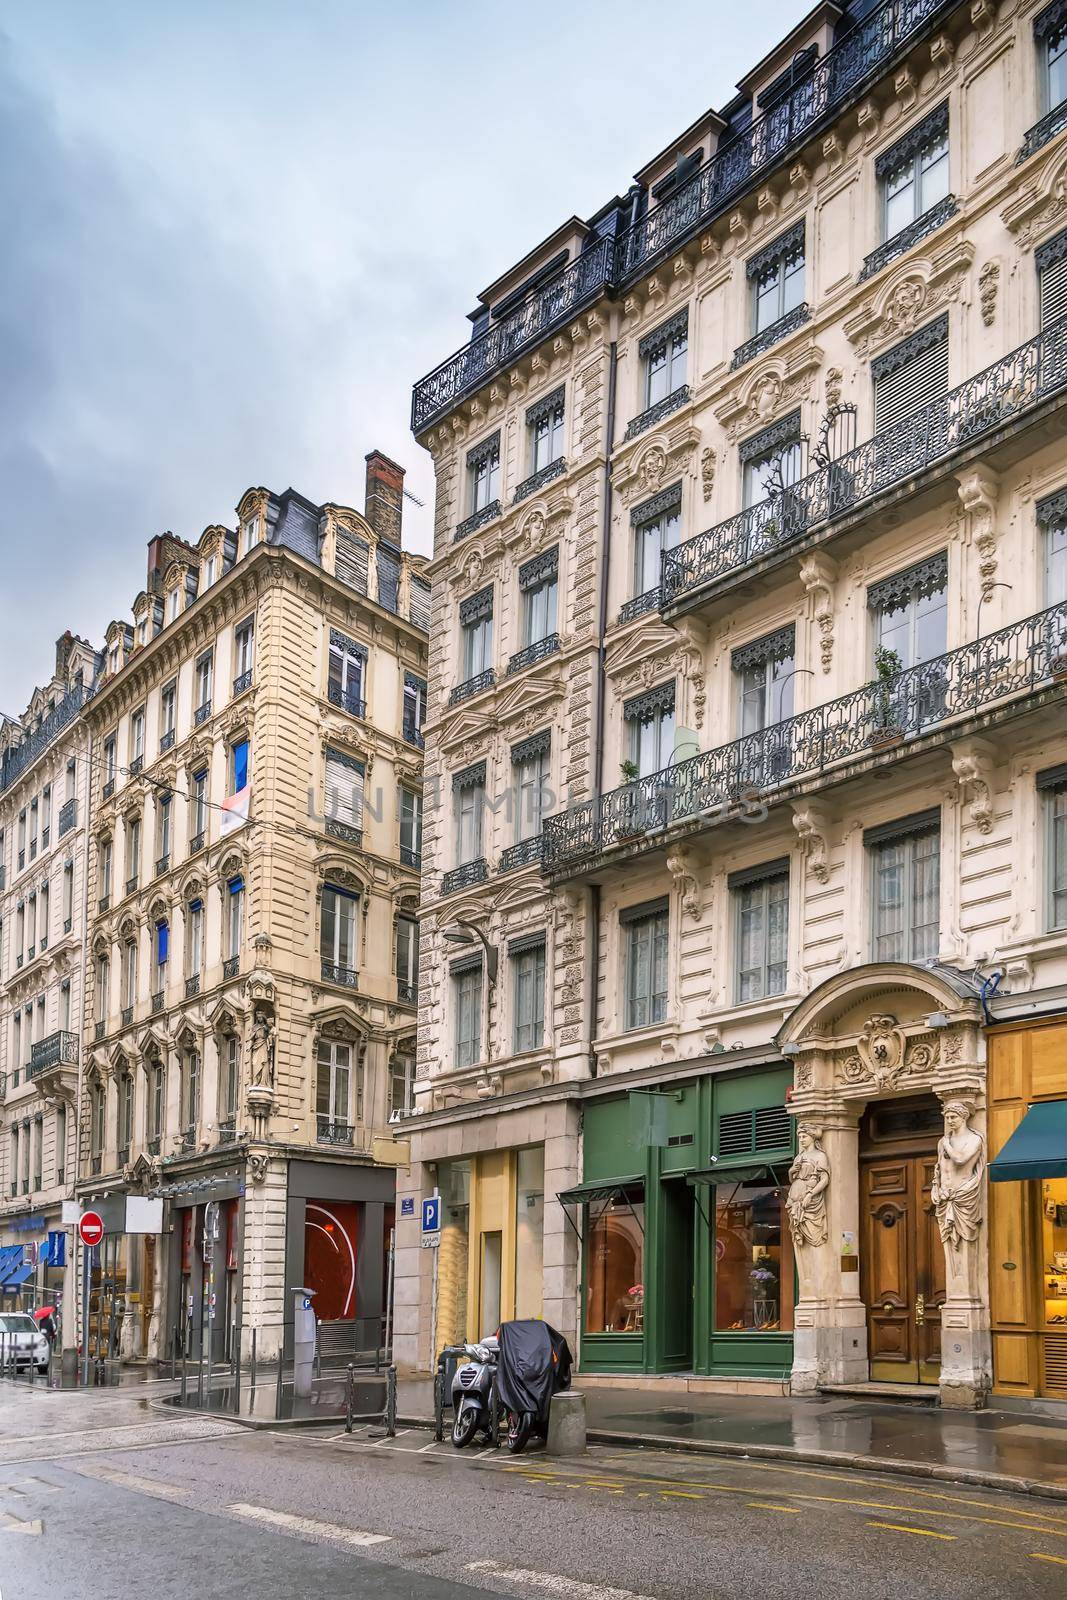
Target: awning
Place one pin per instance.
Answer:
(10, 1284)
(1037, 1148)
(603, 1189)
(10, 1262)
(757, 1172)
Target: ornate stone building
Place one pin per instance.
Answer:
(44, 823)
(253, 882)
(746, 749)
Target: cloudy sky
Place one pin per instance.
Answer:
(235, 231)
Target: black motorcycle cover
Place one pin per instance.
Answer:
(534, 1363)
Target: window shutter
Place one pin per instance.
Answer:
(420, 603)
(388, 578)
(1053, 283)
(907, 385)
(344, 790)
(743, 1133)
(351, 562)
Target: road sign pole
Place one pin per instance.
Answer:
(433, 1292)
(86, 1256)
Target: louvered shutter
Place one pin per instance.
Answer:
(1053, 283)
(351, 561)
(388, 578)
(912, 384)
(420, 603)
(344, 793)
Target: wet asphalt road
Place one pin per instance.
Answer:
(101, 1496)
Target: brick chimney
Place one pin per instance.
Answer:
(384, 504)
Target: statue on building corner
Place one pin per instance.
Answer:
(956, 1191)
(261, 1053)
(809, 1179)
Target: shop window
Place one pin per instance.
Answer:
(615, 1264)
(454, 1182)
(1054, 1252)
(529, 1230)
(906, 870)
(753, 1259)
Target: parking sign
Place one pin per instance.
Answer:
(431, 1214)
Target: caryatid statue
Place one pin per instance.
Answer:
(956, 1190)
(809, 1179)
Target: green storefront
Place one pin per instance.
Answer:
(687, 1261)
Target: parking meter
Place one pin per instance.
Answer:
(304, 1338)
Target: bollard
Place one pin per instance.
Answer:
(237, 1332)
(566, 1424)
(185, 1374)
(390, 1403)
(494, 1416)
(439, 1401)
(350, 1381)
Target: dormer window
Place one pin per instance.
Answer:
(210, 570)
(142, 631)
(115, 657)
(174, 604)
(250, 534)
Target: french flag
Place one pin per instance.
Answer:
(235, 811)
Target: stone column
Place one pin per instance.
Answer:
(830, 1322)
(960, 1196)
(560, 1245)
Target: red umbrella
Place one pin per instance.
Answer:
(44, 1311)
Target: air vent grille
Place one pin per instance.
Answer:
(743, 1133)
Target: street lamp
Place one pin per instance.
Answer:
(461, 932)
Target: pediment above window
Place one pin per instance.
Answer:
(655, 463)
(771, 390)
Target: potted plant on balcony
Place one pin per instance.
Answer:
(631, 809)
(886, 731)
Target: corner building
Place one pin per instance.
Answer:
(745, 930)
(253, 884)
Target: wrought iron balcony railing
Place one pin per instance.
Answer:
(1042, 132)
(344, 831)
(409, 857)
(407, 993)
(910, 236)
(538, 479)
(1000, 395)
(127, 1016)
(540, 650)
(768, 337)
(663, 408)
(522, 854)
(201, 714)
(166, 742)
(158, 1000)
(329, 1132)
(413, 735)
(196, 844)
(154, 1145)
(339, 696)
(227, 1130)
(57, 1050)
(475, 685)
(868, 50)
(333, 972)
(67, 815)
(464, 877)
(135, 766)
(476, 520)
(162, 865)
(192, 986)
(999, 672)
(231, 967)
(242, 682)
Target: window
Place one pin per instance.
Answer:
(22, 838)
(133, 853)
(761, 902)
(137, 737)
(656, 527)
(34, 822)
(663, 352)
(764, 673)
(467, 999)
(210, 569)
(157, 1088)
(174, 603)
(125, 1122)
(161, 949)
(72, 773)
(912, 375)
(64, 1006)
(483, 474)
(410, 827)
(106, 859)
(163, 810)
(167, 704)
(527, 958)
(1051, 263)
(771, 460)
(96, 1121)
(1052, 519)
(1050, 29)
(347, 664)
(204, 676)
(235, 913)
(913, 173)
(777, 278)
(614, 1263)
(229, 1077)
(103, 975)
(344, 796)
(46, 813)
(199, 804)
(16, 1040)
(352, 560)
(401, 1084)
(529, 768)
(190, 1088)
(195, 939)
(476, 626)
(129, 973)
(44, 907)
(238, 766)
(753, 1258)
(538, 581)
(649, 722)
(468, 800)
(905, 863)
(1052, 788)
(407, 958)
(644, 940)
(414, 707)
(110, 759)
(38, 1142)
(68, 896)
(910, 617)
(333, 1089)
(338, 929)
(544, 426)
(61, 1143)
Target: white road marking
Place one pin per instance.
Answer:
(150, 1486)
(308, 1526)
(14, 1525)
(554, 1583)
(380, 1444)
(431, 1446)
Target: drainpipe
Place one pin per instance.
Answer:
(593, 952)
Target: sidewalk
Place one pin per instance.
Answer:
(1023, 1451)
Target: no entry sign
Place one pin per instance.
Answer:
(91, 1228)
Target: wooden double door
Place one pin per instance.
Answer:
(902, 1258)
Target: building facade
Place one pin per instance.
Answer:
(44, 830)
(746, 749)
(252, 946)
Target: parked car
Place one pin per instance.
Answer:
(21, 1335)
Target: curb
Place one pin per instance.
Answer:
(976, 1479)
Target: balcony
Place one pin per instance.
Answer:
(201, 714)
(344, 830)
(993, 402)
(407, 993)
(192, 987)
(242, 683)
(68, 813)
(57, 1050)
(639, 606)
(188, 1139)
(96, 1164)
(167, 742)
(472, 686)
(231, 967)
(131, 884)
(154, 1146)
(768, 337)
(662, 408)
(349, 702)
(347, 977)
(910, 236)
(46, 834)
(162, 865)
(465, 877)
(19, 758)
(227, 1130)
(127, 1016)
(538, 480)
(477, 519)
(99, 1029)
(68, 925)
(103, 903)
(108, 789)
(328, 1132)
(523, 854)
(157, 1002)
(123, 1154)
(410, 857)
(196, 844)
(136, 765)
(986, 682)
(847, 70)
(412, 736)
(540, 650)
(1044, 131)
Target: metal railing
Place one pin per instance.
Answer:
(982, 675)
(20, 757)
(464, 877)
(1000, 394)
(57, 1050)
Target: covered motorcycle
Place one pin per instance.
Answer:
(533, 1364)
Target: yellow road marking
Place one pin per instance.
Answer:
(1035, 1555)
(679, 1494)
(898, 1527)
(762, 1505)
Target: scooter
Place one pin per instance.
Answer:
(472, 1390)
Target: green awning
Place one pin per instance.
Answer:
(602, 1189)
(750, 1174)
(1037, 1148)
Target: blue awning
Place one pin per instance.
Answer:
(1037, 1148)
(10, 1284)
(10, 1261)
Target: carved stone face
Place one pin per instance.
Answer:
(954, 1119)
(804, 1138)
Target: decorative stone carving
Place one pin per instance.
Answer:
(811, 824)
(261, 1052)
(920, 1056)
(802, 1075)
(979, 491)
(972, 762)
(809, 1179)
(707, 471)
(988, 283)
(258, 1161)
(881, 1049)
(818, 573)
(769, 392)
(956, 1190)
(679, 865)
(834, 379)
(925, 287)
